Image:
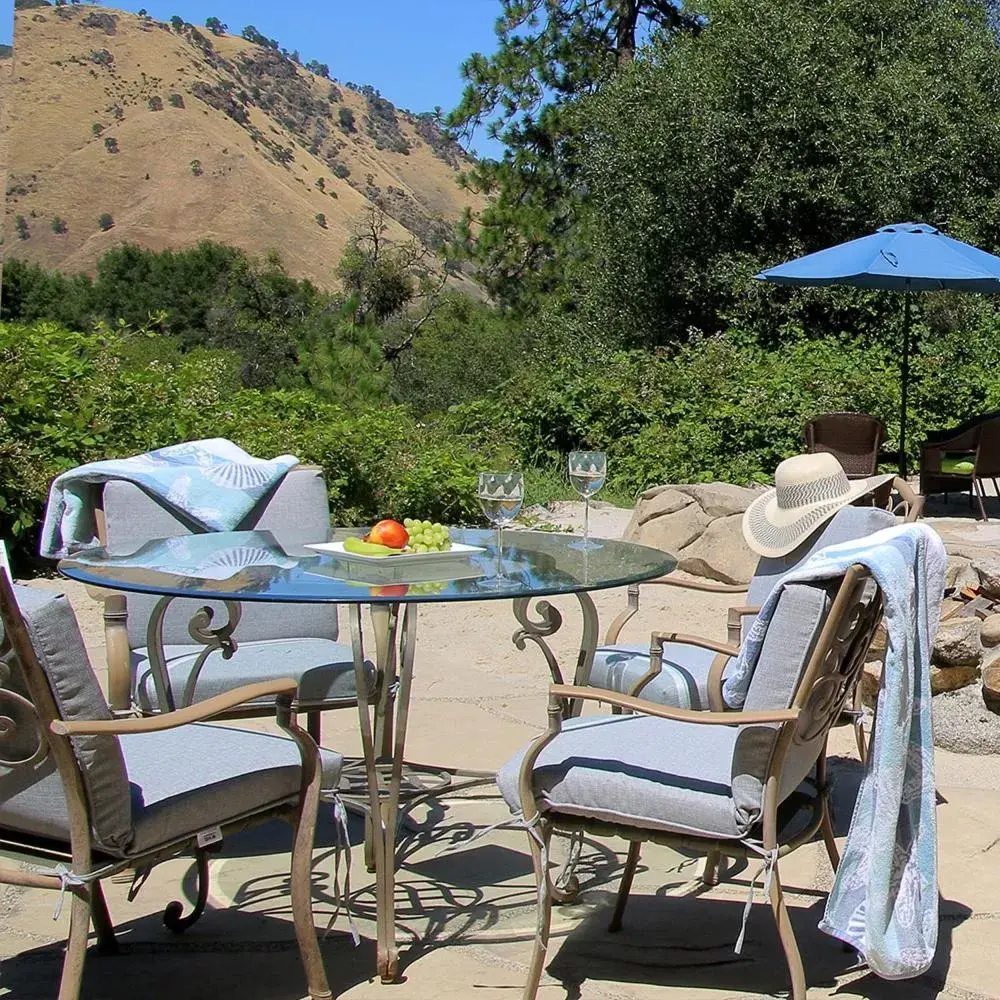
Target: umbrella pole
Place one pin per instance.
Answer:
(905, 378)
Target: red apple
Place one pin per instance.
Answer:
(389, 533)
(393, 590)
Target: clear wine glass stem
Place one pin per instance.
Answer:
(500, 550)
(586, 518)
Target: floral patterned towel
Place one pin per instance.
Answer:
(884, 900)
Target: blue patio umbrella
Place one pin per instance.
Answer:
(906, 257)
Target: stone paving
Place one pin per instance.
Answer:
(466, 917)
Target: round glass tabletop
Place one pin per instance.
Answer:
(259, 566)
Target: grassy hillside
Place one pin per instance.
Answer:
(179, 136)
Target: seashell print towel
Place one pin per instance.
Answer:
(213, 482)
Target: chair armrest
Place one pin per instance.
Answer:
(171, 720)
(694, 640)
(734, 621)
(564, 691)
(615, 628)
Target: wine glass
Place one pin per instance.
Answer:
(587, 472)
(500, 495)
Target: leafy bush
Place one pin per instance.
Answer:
(106, 221)
(69, 398)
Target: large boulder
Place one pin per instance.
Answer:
(952, 678)
(960, 573)
(720, 553)
(701, 524)
(957, 644)
(719, 499)
(674, 531)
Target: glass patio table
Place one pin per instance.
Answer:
(233, 567)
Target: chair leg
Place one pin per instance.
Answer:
(301, 891)
(826, 826)
(977, 488)
(107, 943)
(173, 916)
(788, 943)
(544, 915)
(625, 887)
(76, 948)
(314, 726)
(710, 873)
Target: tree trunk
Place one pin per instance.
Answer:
(628, 18)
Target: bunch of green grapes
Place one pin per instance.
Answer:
(427, 588)
(426, 537)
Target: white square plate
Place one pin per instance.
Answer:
(457, 551)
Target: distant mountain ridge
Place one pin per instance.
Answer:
(121, 128)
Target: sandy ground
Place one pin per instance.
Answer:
(466, 917)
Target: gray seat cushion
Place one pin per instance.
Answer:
(682, 682)
(633, 769)
(195, 777)
(32, 799)
(681, 776)
(324, 670)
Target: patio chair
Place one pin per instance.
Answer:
(854, 438)
(960, 459)
(693, 668)
(720, 783)
(88, 796)
(273, 640)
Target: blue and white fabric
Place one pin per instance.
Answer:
(884, 901)
(214, 483)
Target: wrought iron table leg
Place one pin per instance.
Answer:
(384, 792)
(548, 622)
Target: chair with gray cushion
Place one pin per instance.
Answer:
(273, 640)
(693, 667)
(720, 783)
(100, 795)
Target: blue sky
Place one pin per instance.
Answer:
(410, 50)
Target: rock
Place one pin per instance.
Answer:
(991, 686)
(957, 645)
(963, 723)
(654, 491)
(988, 571)
(952, 678)
(719, 499)
(960, 573)
(672, 531)
(871, 678)
(663, 504)
(989, 631)
(880, 640)
(720, 553)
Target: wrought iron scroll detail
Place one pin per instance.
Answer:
(221, 638)
(18, 718)
(537, 630)
(841, 670)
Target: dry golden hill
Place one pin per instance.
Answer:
(180, 136)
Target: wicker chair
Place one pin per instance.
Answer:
(976, 441)
(854, 438)
(80, 788)
(705, 781)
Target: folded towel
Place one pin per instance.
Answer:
(214, 482)
(884, 900)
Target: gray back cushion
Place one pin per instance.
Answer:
(296, 511)
(32, 798)
(796, 625)
(846, 525)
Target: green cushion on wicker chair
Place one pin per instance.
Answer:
(957, 465)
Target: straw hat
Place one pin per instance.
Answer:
(808, 490)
